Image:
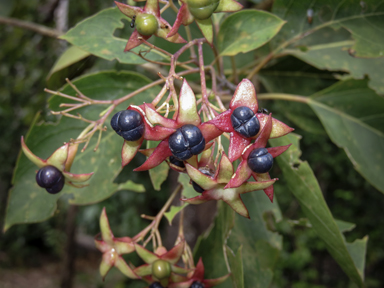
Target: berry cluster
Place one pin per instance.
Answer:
(186, 137)
(148, 20)
(160, 269)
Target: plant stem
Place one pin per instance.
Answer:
(283, 96)
(43, 30)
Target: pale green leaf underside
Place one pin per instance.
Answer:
(335, 57)
(70, 56)
(353, 116)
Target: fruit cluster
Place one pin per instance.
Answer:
(184, 137)
(148, 20)
(160, 268)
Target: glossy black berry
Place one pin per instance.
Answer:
(205, 171)
(128, 124)
(245, 122)
(50, 178)
(260, 161)
(176, 162)
(186, 142)
(197, 284)
(155, 285)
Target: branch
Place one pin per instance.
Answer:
(43, 30)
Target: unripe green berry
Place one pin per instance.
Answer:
(146, 24)
(161, 269)
(202, 9)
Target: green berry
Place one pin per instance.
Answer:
(146, 24)
(202, 9)
(161, 269)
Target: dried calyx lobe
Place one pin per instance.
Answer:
(186, 142)
(50, 178)
(260, 160)
(197, 284)
(245, 122)
(205, 171)
(128, 124)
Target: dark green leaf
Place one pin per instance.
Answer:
(211, 246)
(303, 184)
(95, 35)
(27, 201)
(363, 19)
(247, 30)
(261, 247)
(236, 264)
(335, 57)
(353, 116)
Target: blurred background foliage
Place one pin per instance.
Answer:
(26, 59)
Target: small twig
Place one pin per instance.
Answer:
(43, 30)
(81, 95)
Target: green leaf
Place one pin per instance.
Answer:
(363, 19)
(247, 30)
(335, 57)
(6, 7)
(235, 262)
(293, 76)
(160, 173)
(27, 201)
(173, 212)
(345, 226)
(95, 35)
(303, 184)
(70, 56)
(353, 116)
(260, 245)
(188, 191)
(211, 246)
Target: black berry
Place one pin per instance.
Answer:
(176, 162)
(205, 171)
(50, 178)
(186, 142)
(260, 161)
(196, 284)
(128, 124)
(245, 122)
(155, 285)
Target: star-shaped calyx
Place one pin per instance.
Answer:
(161, 265)
(148, 23)
(201, 11)
(151, 133)
(198, 276)
(244, 172)
(245, 98)
(62, 159)
(112, 249)
(214, 187)
(186, 115)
